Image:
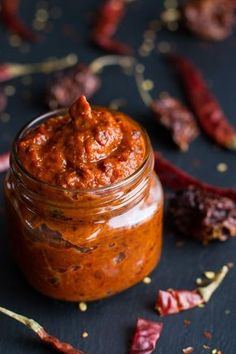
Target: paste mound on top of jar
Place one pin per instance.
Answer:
(88, 147)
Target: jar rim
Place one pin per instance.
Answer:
(111, 187)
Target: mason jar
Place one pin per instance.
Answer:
(82, 245)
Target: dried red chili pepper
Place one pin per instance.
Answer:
(4, 161)
(174, 301)
(202, 215)
(54, 342)
(65, 87)
(108, 18)
(11, 19)
(174, 178)
(174, 116)
(208, 111)
(146, 336)
(210, 20)
(9, 71)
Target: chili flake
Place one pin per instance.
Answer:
(146, 335)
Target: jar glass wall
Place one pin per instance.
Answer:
(79, 245)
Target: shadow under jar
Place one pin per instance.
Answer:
(82, 245)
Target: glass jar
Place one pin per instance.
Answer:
(82, 245)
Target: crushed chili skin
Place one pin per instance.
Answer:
(174, 301)
(176, 179)
(64, 88)
(107, 147)
(174, 116)
(13, 22)
(210, 20)
(210, 115)
(203, 216)
(108, 18)
(147, 333)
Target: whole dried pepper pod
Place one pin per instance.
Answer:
(205, 106)
(174, 116)
(210, 20)
(176, 179)
(202, 215)
(170, 113)
(146, 335)
(108, 17)
(172, 301)
(46, 338)
(64, 87)
(11, 18)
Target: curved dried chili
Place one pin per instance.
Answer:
(207, 109)
(108, 18)
(11, 19)
(173, 177)
(54, 342)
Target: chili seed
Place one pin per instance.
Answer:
(187, 350)
(85, 334)
(210, 275)
(222, 167)
(83, 306)
(147, 280)
(9, 90)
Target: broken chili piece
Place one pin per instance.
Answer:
(108, 18)
(174, 178)
(174, 301)
(147, 333)
(13, 22)
(4, 161)
(64, 88)
(52, 341)
(203, 215)
(210, 20)
(205, 106)
(174, 116)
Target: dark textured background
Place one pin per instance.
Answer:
(110, 323)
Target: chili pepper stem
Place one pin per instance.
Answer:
(47, 66)
(232, 144)
(28, 322)
(139, 78)
(99, 63)
(207, 291)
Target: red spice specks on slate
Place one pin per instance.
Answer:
(146, 335)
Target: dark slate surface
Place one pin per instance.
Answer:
(110, 323)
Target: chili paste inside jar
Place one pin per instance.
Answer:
(86, 204)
